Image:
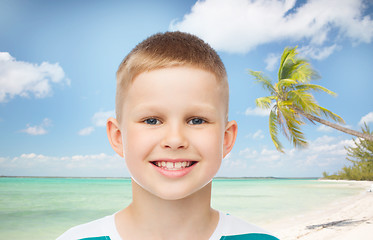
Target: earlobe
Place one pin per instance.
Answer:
(115, 135)
(230, 135)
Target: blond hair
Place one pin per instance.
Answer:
(164, 50)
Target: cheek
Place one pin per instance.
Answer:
(210, 145)
(137, 144)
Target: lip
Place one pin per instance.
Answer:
(174, 173)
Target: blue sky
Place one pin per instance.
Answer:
(57, 77)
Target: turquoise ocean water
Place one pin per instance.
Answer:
(43, 208)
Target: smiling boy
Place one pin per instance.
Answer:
(172, 129)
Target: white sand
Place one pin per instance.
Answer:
(347, 219)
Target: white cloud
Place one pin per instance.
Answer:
(318, 53)
(40, 129)
(233, 167)
(240, 25)
(252, 162)
(95, 165)
(324, 128)
(322, 154)
(257, 135)
(249, 153)
(264, 155)
(367, 119)
(99, 120)
(86, 131)
(235, 163)
(257, 112)
(271, 61)
(23, 79)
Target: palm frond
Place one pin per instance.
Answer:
(299, 70)
(330, 114)
(296, 135)
(287, 115)
(287, 57)
(282, 122)
(292, 123)
(264, 81)
(273, 130)
(296, 68)
(303, 100)
(288, 83)
(264, 102)
(302, 71)
(315, 87)
(286, 103)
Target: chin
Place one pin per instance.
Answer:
(179, 193)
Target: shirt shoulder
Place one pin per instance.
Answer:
(233, 228)
(100, 229)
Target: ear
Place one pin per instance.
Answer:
(230, 135)
(115, 135)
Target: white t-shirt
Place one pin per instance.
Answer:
(229, 227)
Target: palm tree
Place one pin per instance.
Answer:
(291, 104)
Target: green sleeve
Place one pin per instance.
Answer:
(249, 236)
(97, 238)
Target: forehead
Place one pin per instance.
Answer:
(181, 85)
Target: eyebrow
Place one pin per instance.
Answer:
(199, 107)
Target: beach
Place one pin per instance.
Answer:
(346, 219)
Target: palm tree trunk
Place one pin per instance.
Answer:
(336, 126)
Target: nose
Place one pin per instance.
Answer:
(175, 138)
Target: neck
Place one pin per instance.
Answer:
(155, 218)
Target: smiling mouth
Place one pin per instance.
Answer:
(173, 166)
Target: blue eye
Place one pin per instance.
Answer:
(152, 121)
(196, 121)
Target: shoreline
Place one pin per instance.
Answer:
(216, 178)
(344, 219)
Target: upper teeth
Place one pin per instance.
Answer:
(173, 165)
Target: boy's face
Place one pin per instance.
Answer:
(174, 130)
